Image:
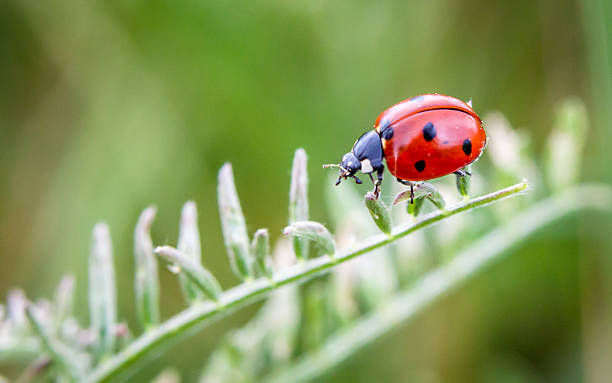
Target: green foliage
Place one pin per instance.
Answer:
(189, 246)
(199, 277)
(233, 224)
(287, 340)
(379, 212)
(261, 250)
(146, 283)
(298, 200)
(102, 292)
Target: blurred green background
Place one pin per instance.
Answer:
(107, 107)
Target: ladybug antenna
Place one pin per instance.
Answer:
(343, 175)
(334, 166)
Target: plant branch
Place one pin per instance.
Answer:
(198, 316)
(406, 305)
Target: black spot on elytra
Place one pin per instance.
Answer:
(387, 133)
(419, 165)
(429, 131)
(467, 147)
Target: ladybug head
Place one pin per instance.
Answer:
(348, 167)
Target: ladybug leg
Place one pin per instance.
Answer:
(408, 183)
(376, 186)
(378, 181)
(462, 173)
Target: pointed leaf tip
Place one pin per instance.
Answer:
(566, 143)
(16, 302)
(102, 246)
(146, 218)
(63, 301)
(233, 224)
(189, 235)
(146, 282)
(261, 250)
(102, 290)
(298, 199)
(190, 245)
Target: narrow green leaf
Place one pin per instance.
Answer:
(146, 282)
(414, 209)
(315, 232)
(233, 224)
(566, 143)
(15, 307)
(189, 244)
(464, 182)
(63, 301)
(261, 250)
(198, 275)
(102, 291)
(379, 212)
(54, 348)
(298, 199)
(422, 190)
(432, 194)
(504, 145)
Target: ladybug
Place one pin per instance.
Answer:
(421, 138)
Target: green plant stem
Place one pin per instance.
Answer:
(406, 305)
(197, 316)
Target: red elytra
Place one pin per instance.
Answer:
(421, 138)
(456, 139)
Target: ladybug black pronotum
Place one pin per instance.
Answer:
(422, 138)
